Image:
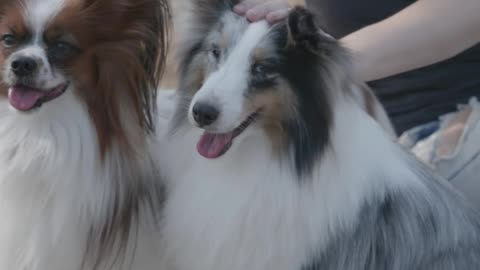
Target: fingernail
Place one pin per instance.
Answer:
(252, 15)
(240, 8)
(271, 18)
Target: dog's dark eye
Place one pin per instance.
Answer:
(60, 50)
(215, 51)
(263, 75)
(259, 69)
(61, 47)
(9, 40)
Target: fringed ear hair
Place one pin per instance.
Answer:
(129, 55)
(152, 52)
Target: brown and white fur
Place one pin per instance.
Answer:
(78, 186)
(274, 164)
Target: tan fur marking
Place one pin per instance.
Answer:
(223, 43)
(259, 54)
(369, 101)
(196, 74)
(277, 105)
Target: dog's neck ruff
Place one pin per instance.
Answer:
(58, 196)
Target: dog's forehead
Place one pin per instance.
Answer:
(39, 13)
(242, 39)
(232, 30)
(232, 26)
(228, 30)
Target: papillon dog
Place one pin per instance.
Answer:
(274, 164)
(79, 188)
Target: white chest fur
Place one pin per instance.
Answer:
(54, 190)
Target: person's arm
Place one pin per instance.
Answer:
(426, 32)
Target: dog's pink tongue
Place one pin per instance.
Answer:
(214, 145)
(24, 98)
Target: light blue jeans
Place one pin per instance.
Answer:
(451, 146)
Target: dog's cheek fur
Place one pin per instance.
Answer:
(196, 74)
(3, 88)
(193, 76)
(278, 104)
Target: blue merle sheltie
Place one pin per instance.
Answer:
(275, 165)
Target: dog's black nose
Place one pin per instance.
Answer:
(204, 114)
(24, 66)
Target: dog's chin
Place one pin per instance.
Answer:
(214, 144)
(26, 98)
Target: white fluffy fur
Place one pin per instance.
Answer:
(53, 188)
(39, 13)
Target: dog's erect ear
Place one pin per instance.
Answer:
(301, 27)
(303, 31)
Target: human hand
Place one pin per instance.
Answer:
(256, 10)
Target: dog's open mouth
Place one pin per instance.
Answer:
(214, 145)
(25, 98)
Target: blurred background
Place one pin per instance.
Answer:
(170, 80)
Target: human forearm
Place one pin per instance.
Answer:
(424, 33)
